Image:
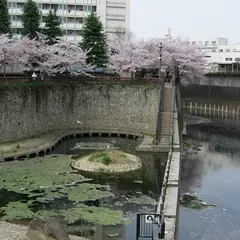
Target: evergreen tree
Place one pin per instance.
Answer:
(31, 19)
(52, 27)
(94, 41)
(4, 17)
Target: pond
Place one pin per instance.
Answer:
(212, 175)
(83, 202)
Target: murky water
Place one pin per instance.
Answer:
(213, 174)
(143, 182)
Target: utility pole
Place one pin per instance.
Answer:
(4, 63)
(160, 60)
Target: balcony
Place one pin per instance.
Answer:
(116, 4)
(16, 11)
(115, 30)
(115, 17)
(16, 24)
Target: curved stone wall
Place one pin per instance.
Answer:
(27, 112)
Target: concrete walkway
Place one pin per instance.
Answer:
(30, 145)
(47, 141)
(9, 231)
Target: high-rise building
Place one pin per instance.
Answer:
(114, 14)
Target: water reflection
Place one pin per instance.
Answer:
(214, 175)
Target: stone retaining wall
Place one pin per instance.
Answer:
(27, 112)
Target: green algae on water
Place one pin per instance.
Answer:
(26, 176)
(192, 202)
(86, 192)
(100, 215)
(16, 211)
(142, 200)
(47, 179)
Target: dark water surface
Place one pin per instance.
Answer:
(213, 174)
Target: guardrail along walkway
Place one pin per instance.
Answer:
(166, 118)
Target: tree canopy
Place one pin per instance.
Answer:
(52, 28)
(4, 18)
(94, 41)
(36, 55)
(133, 54)
(30, 19)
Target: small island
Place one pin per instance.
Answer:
(112, 161)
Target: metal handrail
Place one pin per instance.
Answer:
(160, 109)
(16, 79)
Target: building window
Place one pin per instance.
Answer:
(234, 50)
(228, 59)
(70, 32)
(227, 50)
(19, 18)
(71, 7)
(237, 59)
(220, 50)
(63, 19)
(79, 32)
(79, 20)
(19, 5)
(54, 7)
(19, 31)
(70, 20)
(94, 8)
(79, 8)
(214, 50)
(13, 17)
(89, 8)
(46, 6)
(207, 56)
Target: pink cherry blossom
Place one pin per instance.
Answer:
(35, 55)
(132, 54)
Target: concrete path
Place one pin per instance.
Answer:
(46, 141)
(30, 145)
(9, 231)
(146, 144)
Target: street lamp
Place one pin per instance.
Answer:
(160, 60)
(4, 62)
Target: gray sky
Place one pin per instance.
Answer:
(196, 19)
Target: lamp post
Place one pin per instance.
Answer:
(4, 62)
(160, 60)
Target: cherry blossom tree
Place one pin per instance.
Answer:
(37, 55)
(179, 53)
(30, 54)
(63, 56)
(6, 51)
(132, 54)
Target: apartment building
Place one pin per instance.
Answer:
(219, 55)
(114, 14)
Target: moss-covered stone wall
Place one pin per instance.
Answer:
(30, 109)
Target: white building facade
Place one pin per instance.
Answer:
(219, 55)
(114, 14)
